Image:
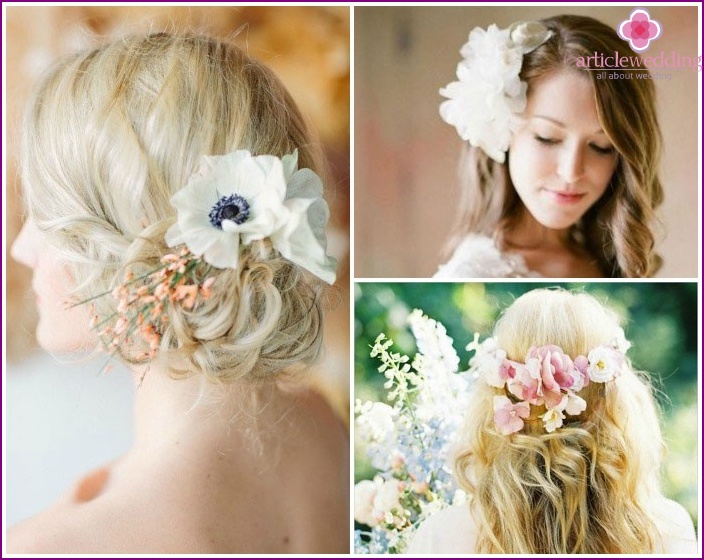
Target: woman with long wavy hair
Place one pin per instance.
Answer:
(560, 175)
(562, 445)
(176, 222)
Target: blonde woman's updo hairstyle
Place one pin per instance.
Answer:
(582, 489)
(112, 133)
(619, 228)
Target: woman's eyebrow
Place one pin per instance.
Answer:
(554, 121)
(563, 125)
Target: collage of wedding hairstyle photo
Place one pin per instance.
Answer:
(351, 279)
(527, 299)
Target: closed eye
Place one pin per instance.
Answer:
(544, 140)
(601, 150)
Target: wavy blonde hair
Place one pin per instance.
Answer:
(582, 489)
(110, 135)
(619, 229)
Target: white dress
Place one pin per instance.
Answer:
(477, 256)
(453, 531)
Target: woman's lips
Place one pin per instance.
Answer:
(564, 197)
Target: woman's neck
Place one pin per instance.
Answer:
(552, 253)
(175, 415)
(527, 233)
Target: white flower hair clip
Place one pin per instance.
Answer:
(547, 377)
(484, 104)
(238, 198)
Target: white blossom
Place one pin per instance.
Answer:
(604, 364)
(364, 493)
(485, 103)
(553, 419)
(238, 198)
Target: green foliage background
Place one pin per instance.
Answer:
(660, 319)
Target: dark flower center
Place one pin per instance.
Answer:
(234, 208)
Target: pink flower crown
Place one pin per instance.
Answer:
(547, 377)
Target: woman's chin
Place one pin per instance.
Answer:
(557, 220)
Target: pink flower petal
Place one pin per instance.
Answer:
(508, 416)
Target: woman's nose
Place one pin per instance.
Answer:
(24, 247)
(571, 165)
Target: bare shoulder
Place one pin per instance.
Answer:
(33, 536)
(59, 530)
(319, 442)
(113, 526)
(318, 421)
(316, 463)
(676, 527)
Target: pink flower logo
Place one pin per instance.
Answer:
(639, 30)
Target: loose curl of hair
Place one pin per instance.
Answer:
(619, 228)
(112, 133)
(582, 489)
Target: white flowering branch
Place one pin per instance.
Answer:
(409, 441)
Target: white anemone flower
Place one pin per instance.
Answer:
(238, 198)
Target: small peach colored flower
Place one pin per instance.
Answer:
(149, 334)
(161, 290)
(206, 289)
(186, 294)
(121, 325)
(397, 462)
(120, 292)
(157, 310)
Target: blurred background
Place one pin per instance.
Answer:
(660, 319)
(406, 157)
(64, 419)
